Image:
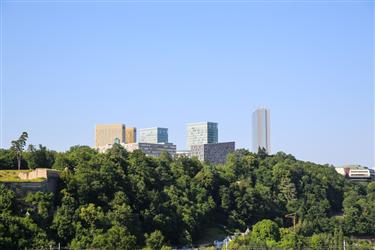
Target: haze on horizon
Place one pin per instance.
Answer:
(68, 66)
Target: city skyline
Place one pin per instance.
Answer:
(69, 66)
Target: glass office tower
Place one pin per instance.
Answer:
(153, 135)
(201, 133)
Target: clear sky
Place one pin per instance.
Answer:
(70, 65)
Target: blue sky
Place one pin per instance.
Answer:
(68, 66)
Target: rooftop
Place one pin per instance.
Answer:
(198, 123)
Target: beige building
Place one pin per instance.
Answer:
(108, 133)
(131, 135)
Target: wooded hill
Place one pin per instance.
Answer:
(121, 200)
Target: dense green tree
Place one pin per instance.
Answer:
(359, 214)
(288, 239)
(155, 240)
(319, 241)
(121, 214)
(62, 162)
(115, 238)
(7, 199)
(40, 207)
(39, 157)
(64, 219)
(265, 231)
(20, 233)
(8, 159)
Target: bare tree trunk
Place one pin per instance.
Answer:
(19, 163)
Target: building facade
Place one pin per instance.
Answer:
(150, 149)
(214, 153)
(109, 133)
(201, 133)
(356, 172)
(131, 135)
(183, 153)
(153, 135)
(261, 130)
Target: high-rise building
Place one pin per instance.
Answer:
(109, 134)
(153, 135)
(261, 130)
(131, 135)
(201, 133)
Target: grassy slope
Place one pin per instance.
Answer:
(12, 176)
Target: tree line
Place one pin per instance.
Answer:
(122, 200)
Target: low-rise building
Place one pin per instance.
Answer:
(183, 153)
(150, 149)
(356, 172)
(215, 153)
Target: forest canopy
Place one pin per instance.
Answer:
(122, 200)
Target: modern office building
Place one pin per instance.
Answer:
(153, 135)
(182, 153)
(150, 149)
(131, 135)
(109, 133)
(201, 133)
(214, 153)
(261, 130)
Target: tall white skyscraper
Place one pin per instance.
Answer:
(261, 130)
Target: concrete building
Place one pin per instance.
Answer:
(150, 149)
(131, 135)
(153, 135)
(108, 133)
(183, 153)
(356, 172)
(202, 133)
(215, 153)
(261, 130)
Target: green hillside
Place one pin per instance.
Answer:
(122, 200)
